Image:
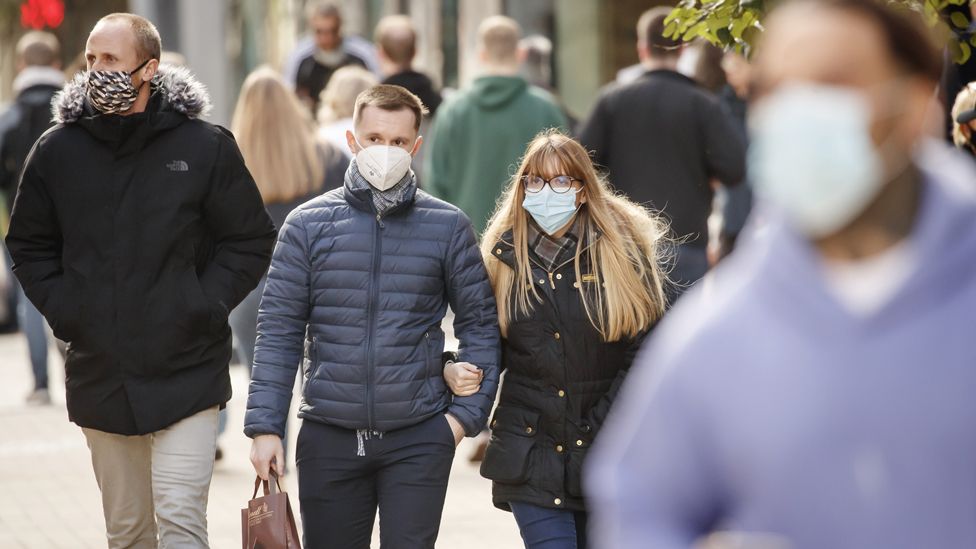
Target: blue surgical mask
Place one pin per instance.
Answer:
(551, 210)
(812, 156)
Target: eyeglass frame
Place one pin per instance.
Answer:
(525, 185)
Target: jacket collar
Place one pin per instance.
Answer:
(38, 76)
(362, 199)
(180, 90)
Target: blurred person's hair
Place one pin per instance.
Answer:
(650, 32)
(390, 98)
(625, 244)
(148, 43)
(498, 37)
(338, 99)
(277, 138)
(323, 8)
(39, 49)
(172, 58)
(965, 101)
(911, 45)
(708, 67)
(396, 36)
(538, 60)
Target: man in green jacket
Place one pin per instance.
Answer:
(480, 133)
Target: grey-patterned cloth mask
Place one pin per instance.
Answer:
(112, 92)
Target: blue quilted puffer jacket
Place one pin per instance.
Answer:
(361, 297)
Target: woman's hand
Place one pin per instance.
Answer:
(463, 378)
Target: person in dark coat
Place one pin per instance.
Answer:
(359, 284)
(328, 56)
(579, 282)
(39, 77)
(135, 230)
(663, 139)
(396, 46)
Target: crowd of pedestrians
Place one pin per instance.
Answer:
(814, 390)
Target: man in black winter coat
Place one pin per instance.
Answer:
(136, 228)
(39, 77)
(663, 140)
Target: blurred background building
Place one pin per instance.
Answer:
(222, 40)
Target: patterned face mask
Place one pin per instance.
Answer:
(112, 92)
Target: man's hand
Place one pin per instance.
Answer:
(267, 451)
(463, 378)
(456, 427)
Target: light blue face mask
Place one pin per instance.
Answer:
(812, 156)
(551, 210)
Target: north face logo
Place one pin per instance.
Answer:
(178, 166)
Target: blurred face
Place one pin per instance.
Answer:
(738, 73)
(327, 32)
(810, 44)
(112, 46)
(378, 126)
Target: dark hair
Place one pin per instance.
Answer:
(909, 42)
(148, 43)
(390, 98)
(650, 30)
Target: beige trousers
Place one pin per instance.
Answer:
(155, 487)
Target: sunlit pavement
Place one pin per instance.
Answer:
(49, 499)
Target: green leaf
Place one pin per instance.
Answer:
(724, 37)
(959, 20)
(972, 40)
(750, 35)
(671, 29)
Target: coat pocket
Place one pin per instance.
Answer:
(68, 315)
(512, 438)
(574, 473)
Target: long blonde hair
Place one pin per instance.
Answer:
(277, 139)
(624, 243)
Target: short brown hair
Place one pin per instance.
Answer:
(499, 36)
(910, 44)
(390, 98)
(397, 38)
(39, 49)
(323, 8)
(148, 43)
(650, 31)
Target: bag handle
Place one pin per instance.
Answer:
(269, 488)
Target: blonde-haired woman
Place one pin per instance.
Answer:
(338, 101)
(964, 119)
(577, 275)
(290, 166)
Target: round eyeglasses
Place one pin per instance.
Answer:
(559, 184)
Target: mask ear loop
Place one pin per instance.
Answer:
(137, 69)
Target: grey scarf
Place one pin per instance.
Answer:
(382, 200)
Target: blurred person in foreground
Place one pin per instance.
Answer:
(823, 396)
(289, 165)
(578, 281)
(315, 70)
(136, 229)
(481, 132)
(964, 119)
(39, 77)
(337, 103)
(359, 285)
(663, 139)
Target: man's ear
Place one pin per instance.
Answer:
(642, 50)
(150, 69)
(351, 141)
(416, 146)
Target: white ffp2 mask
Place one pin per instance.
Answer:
(382, 165)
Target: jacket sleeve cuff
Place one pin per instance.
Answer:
(471, 425)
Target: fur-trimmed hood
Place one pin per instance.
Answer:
(181, 91)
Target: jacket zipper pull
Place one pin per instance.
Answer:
(551, 283)
(379, 219)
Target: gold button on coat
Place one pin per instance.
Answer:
(559, 277)
(562, 393)
(556, 335)
(528, 430)
(557, 501)
(579, 442)
(559, 448)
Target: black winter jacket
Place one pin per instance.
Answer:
(560, 381)
(663, 139)
(134, 236)
(361, 297)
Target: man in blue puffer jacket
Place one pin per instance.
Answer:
(360, 279)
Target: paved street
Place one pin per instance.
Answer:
(50, 499)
